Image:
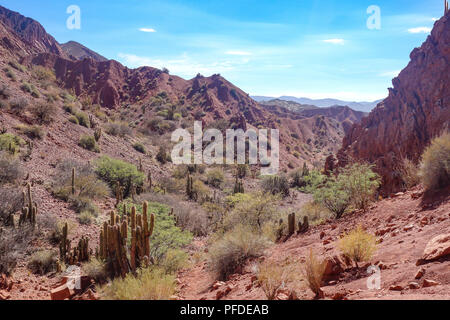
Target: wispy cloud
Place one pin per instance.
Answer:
(238, 53)
(149, 30)
(390, 74)
(420, 30)
(434, 19)
(335, 41)
(183, 66)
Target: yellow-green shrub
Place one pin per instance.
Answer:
(435, 166)
(358, 245)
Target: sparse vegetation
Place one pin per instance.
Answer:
(10, 168)
(85, 217)
(149, 284)
(44, 112)
(435, 166)
(230, 252)
(10, 143)
(358, 245)
(95, 269)
(410, 173)
(139, 147)
(313, 271)
(276, 185)
(274, 276)
(42, 262)
(89, 143)
(18, 106)
(215, 177)
(32, 132)
(119, 129)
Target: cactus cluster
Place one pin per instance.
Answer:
(75, 255)
(302, 227)
(29, 210)
(121, 257)
(238, 186)
(98, 134)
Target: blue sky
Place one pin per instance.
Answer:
(316, 49)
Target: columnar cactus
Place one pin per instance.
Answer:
(29, 211)
(119, 193)
(238, 186)
(73, 181)
(114, 241)
(291, 224)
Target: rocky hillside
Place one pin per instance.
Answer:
(77, 51)
(109, 84)
(417, 109)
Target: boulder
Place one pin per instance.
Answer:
(429, 283)
(438, 247)
(334, 266)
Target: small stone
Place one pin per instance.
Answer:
(420, 273)
(413, 285)
(396, 288)
(429, 283)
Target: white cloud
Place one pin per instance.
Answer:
(183, 66)
(434, 19)
(390, 74)
(150, 30)
(420, 30)
(335, 41)
(238, 53)
(340, 95)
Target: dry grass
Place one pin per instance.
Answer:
(228, 254)
(42, 262)
(358, 245)
(275, 276)
(410, 173)
(435, 166)
(149, 284)
(313, 271)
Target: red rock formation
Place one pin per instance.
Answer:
(417, 109)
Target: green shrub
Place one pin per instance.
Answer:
(83, 204)
(42, 262)
(43, 74)
(215, 177)
(89, 143)
(230, 253)
(311, 181)
(10, 74)
(315, 212)
(253, 211)
(149, 284)
(333, 196)
(83, 119)
(166, 235)
(17, 66)
(276, 185)
(113, 170)
(139, 147)
(435, 166)
(74, 120)
(361, 184)
(10, 143)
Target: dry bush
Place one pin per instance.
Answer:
(18, 106)
(5, 93)
(358, 245)
(410, 173)
(95, 269)
(274, 276)
(42, 262)
(120, 129)
(228, 254)
(44, 112)
(87, 185)
(313, 271)
(10, 202)
(174, 260)
(148, 284)
(85, 217)
(88, 142)
(10, 168)
(32, 132)
(435, 166)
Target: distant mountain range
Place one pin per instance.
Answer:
(324, 103)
